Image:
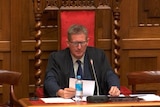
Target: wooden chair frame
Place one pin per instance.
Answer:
(142, 77)
(11, 78)
(41, 5)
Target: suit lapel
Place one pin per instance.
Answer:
(69, 66)
(87, 67)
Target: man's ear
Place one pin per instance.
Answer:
(67, 42)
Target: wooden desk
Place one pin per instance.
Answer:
(25, 102)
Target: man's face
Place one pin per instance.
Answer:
(78, 45)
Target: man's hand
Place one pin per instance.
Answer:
(66, 93)
(114, 91)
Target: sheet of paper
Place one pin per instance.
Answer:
(84, 98)
(88, 86)
(56, 100)
(147, 97)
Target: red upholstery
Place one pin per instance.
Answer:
(124, 90)
(86, 18)
(39, 92)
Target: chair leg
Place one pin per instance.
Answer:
(133, 89)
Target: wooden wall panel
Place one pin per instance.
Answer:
(28, 70)
(139, 39)
(103, 31)
(149, 12)
(4, 20)
(4, 43)
(139, 42)
(0, 17)
(17, 25)
(137, 60)
(144, 32)
(147, 63)
(103, 24)
(4, 59)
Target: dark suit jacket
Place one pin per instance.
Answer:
(60, 69)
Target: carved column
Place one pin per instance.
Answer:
(38, 15)
(116, 40)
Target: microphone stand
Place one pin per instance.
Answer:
(96, 98)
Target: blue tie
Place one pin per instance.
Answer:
(79, 71)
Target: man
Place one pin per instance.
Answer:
(62, 66)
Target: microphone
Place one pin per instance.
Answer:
(96, 98)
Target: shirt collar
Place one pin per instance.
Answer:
(74, 59)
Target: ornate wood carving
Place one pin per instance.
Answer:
(38, 51)
(116, 15)
(78, 4)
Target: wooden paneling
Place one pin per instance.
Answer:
(138, 60)
(103, 24)
(140, 45)
(4, 20)
(4, 42)
(4, 64)
(5, 46)
(48, 45)
(149, 12)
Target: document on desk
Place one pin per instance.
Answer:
(147, 97)
(88, 86)
(56, 100)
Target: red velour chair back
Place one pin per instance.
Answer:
(85, 18)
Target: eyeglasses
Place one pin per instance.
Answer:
(82, 43)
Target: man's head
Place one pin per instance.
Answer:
(77, 40)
